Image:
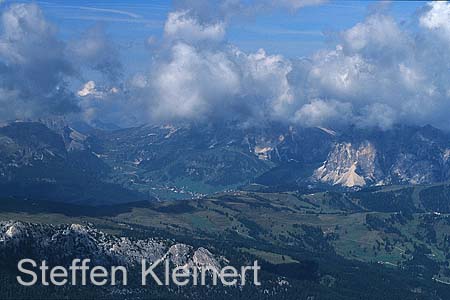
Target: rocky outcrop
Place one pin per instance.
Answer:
(62, 243)
(399, 156)
(350, 165)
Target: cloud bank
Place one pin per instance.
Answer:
(33, 66)
(37, 68)
(377, 73)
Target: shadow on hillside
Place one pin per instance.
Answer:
(71, 210)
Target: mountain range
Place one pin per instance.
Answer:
(55, 160)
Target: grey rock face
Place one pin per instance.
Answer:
(399, 156)
(65, 242)
(350, 165)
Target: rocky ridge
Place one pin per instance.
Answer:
(62, 243)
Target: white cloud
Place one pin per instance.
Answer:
(378, 37)
(323, 113)
(387, 74)
(96, 51)
(38, 69)
(379, 114)
(377, 74)
(24, 25)
(209, 83)
(33, 66)
(266, 77)
(437, 17)
(181, 25)
(192, 82)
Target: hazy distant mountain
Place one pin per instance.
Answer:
(54, 164)
(55, 161)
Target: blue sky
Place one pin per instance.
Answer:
(292, 34)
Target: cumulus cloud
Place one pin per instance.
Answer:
(193, 83)
(33, 66)
(377, 73)
(38, 70)
(379, 37)
(265, 79)
(437, 17)
(96, 51)
(389, 75)
(197, 75)
(180, 25)
(323, 113)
